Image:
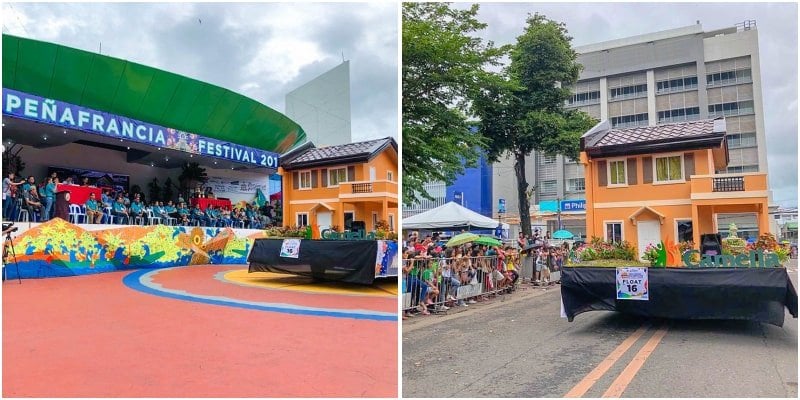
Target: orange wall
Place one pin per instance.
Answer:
(651, 191)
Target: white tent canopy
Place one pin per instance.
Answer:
(450, 215)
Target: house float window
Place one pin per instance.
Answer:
(302, 219)
(617, 175)
(614, 232)
(337, 176)
(669, 169)
(305, 180)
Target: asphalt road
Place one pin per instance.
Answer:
(520, 347)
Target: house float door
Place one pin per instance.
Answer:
(649, 233)
(324, 220)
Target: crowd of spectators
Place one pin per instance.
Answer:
(122, 207)
(433, 273)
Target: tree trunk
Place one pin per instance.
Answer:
(522, 194)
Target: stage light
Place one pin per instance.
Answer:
(152, 164)
(159, 149)
(166, 158)
(215, 163)
(65, 131)
(129, 147)
(191, 155)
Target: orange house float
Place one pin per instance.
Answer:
(350, 187)
(654, 183)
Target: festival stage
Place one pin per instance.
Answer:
(756, 294)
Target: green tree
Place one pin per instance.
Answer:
(442, 65)
(522, 109)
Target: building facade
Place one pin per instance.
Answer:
(682, 74)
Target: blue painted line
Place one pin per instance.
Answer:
(140, 280)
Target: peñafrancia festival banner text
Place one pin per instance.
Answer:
(39, 109)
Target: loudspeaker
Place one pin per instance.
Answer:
(711, 244)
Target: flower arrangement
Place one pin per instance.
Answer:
(651, 254)
(598, 249)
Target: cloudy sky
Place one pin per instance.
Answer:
(260, 50)
(777, 30)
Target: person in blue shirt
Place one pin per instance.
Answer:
(120, 211)
(26, 187)
(198, 215)
(94, 214)
(137, 208)
(211, 216)
(182, 214)
(225, 217)
(48, 197)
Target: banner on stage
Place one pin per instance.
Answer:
(290, 248)
(238, 186)
(632, 283)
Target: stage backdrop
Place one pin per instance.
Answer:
(59, 248)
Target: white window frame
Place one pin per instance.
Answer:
(374, 220)
(390, 176)
(668, 182)
(679, 220)
(391, 223)
(573, 189)
(330, 170)
(621, 229)
(297, 218)
(624, 162)
(300, 180)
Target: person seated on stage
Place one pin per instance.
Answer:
(198, 192)
(156, 209)
(252, 221)
(94, 213)
(32, 202)
(182, 214)
(210, 193)
(180, 199)
(137, 208)
(197, 215)
(211, 216)
(238, 216)
(85, 181)
(171, 210)
(120, 211)
(69, 181)
(225, 217)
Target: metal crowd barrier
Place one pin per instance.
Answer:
(460, 278)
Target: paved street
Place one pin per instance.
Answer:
(520, 347)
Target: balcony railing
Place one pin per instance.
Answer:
(362, 187)
(728, 184)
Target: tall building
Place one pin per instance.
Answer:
(658, 78)
(322, 107)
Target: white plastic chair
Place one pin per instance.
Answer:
(75, 214)
(151, 217)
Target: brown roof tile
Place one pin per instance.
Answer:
(642, 134)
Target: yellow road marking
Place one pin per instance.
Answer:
(624, 379)
(589, 380)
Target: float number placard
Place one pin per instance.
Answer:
(632, 283)
(290, 248)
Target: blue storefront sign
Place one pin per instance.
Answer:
(27, 106)
(548, 206)
(573, 205)
(458, 197)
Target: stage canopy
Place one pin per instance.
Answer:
(449, 216)
(42, 80)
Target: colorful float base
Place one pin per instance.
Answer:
(755, 294)
(58, 248)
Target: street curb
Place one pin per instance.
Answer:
(523, 292)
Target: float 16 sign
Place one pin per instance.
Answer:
(39, 109)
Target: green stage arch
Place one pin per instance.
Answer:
(144, 93)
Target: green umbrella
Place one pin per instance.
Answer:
(462, 238)
(562, 234)
(488, 241)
